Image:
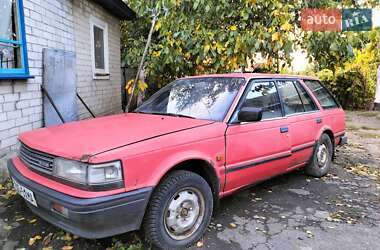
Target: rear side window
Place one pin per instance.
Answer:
(263, 94)
(324, 97)
(308, 103)
(290, 98)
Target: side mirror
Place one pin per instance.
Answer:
(249, 114)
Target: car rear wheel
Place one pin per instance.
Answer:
(322, 157)
(179, 211)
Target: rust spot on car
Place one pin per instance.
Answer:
(85, 158)
(219, 157)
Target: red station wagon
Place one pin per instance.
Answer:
(166, 165)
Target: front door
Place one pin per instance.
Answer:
(258, 150)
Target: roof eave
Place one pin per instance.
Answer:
(118, 8)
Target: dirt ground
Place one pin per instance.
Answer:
(293, 211)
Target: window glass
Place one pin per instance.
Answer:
(290, 98)
(321, 93)
(206, 98)
(264, 95)
(99, 47)
(10, 44)
(305, 98)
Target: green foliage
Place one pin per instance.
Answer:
(206, 36)
(354, 82)
(197, 37)
(326, 76)
(350, 88)
(332, 49)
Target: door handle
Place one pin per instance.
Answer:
(318, 120)
(284, 129)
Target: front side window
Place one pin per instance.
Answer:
(99, 40)
(290, 98)
(206, 98)
(13, 51)
(324, 97)
(263, 94)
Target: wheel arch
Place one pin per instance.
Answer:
(329, 132)
(201, 167)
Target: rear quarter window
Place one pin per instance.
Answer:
(324, 97)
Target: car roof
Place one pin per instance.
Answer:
(254, 75)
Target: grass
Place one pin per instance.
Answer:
(352, 127)
(369, 114)
(368, 128)
(370, 135)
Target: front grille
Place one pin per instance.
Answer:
(36, 160)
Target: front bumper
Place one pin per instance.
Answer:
(88, 218)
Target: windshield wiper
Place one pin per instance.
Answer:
(167, 114)
(179, 115)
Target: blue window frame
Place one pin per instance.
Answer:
(13, 50)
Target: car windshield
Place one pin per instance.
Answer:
(206, 98)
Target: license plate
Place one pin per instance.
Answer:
(25, 193)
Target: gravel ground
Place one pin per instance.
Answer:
(293, 211)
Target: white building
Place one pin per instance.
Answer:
(88, 28)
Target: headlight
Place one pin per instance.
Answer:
(91, 176)
(104, 173)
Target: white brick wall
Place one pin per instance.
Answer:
(102, 96)
(58, 24)
(48, 24)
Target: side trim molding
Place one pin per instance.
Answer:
(256, 163)
(303, 147)
(276, 158)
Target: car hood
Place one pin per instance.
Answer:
(80, 140)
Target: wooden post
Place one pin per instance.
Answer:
(154, 20)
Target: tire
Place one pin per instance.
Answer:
(321, 160)
(182, 197)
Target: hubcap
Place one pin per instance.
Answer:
(184, 213)
(322, 155)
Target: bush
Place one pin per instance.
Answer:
(327, 78)
(353, 84)
(352, 88)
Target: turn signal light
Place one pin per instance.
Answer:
(60, 209)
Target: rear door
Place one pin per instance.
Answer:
(303, 117)
(257, 150)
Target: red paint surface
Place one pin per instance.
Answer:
(151, 145)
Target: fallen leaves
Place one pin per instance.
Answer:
(309, 234)
(46, 241)
(341, 216)
(66, 237)
(364, 170)
(67, 247)
(34, 239)
(9, 194)
(232, 225)
(20, 219)
(32, 221)
(200, 244)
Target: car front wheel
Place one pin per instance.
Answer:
(179, 211)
